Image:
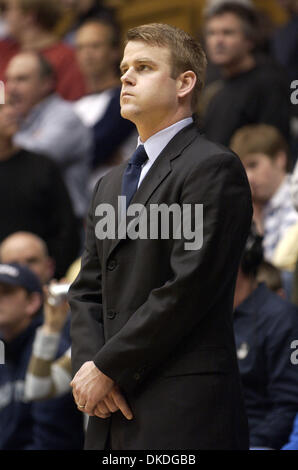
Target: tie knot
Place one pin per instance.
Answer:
(139, 156)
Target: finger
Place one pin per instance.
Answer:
(100, 415)
(90, 407)
(101, 410)
(122, 404)
(110, 404)
(76, 396)
(81, 408)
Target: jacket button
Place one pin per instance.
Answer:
(111, 314)
(137, 376)
(112, 264)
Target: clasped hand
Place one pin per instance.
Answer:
(97, 394)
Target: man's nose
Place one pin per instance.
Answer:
(128, 77)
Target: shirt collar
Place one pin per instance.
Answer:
(157, 142)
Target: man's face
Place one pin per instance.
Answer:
(149, 93)
(13, 305)
(24, 85)
(29, 252)
(264, 175)
(225, 40)
(95, 53)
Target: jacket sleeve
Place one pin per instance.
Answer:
(56, 422)
(85, 299)
(170, 313)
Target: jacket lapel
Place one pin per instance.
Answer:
(158, 173)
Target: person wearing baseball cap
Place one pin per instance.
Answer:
(20, 299)
(56, 424)
(21, 276)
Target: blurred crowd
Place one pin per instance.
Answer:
(61, 130)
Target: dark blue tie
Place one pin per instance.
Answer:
(132, 173)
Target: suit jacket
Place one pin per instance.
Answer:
(157, 318)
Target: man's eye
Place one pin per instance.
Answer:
(143, 67)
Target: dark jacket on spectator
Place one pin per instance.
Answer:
(265, 326)
(110, 131)
(33, 198)
(260, 95)
(40, 425)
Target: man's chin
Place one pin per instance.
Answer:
(221, 62)
(128, 113)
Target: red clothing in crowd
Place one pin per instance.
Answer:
(70, 82)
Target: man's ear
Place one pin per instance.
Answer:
(186, 83)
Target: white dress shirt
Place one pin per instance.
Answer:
(157, 142)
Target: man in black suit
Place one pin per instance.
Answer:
(153, 346)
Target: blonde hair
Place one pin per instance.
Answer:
(259, 138)
(186, 52)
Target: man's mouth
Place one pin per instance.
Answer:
(126, 93)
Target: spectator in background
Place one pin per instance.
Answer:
(30, 250)
(48, 125)
(55, 424)
(271, 276)
(285, 40)
(264, 326)
(264, 154)
(285, 51)
(97, 45)
(33, 197)
(249, 92)
(30, 25)
(78, 12)
(48, 376)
